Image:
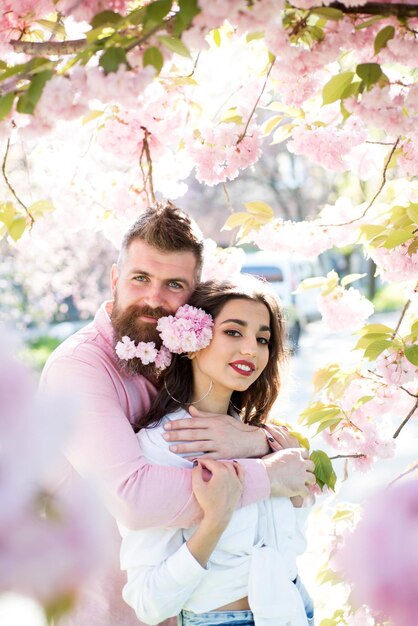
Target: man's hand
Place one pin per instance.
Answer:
(290, 472)
(216, 436)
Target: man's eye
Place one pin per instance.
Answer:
(175, 285)
(140, 279)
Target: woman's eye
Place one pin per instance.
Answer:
(233, 333)
(263, 341)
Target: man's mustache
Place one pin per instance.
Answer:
(148, 311)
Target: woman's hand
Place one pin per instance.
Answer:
(217, 486)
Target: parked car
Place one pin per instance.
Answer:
(284, 273)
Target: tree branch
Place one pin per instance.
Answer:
(13, 192)
(405, 421)
(398, 9)
(347, 456)
(243, 134)
(47, 48)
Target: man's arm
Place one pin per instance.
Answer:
(104, 446)
(224, 437)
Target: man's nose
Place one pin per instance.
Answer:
(154, 297)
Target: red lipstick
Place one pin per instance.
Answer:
(245, 368)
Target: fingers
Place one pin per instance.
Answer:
(192, 448)
(187, 434)
(188, 422)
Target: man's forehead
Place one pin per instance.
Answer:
(143, 257)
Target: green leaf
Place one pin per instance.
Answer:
(112, 58)
(382, 37)
(152, 56)
(411, 353)
(350, 278)
(328, 424)
(236, 219)
(352, 90)
(369, 22)
(412, 212)
(328, 12)
(271, 124)
(375, 328)
(324, 472)
(369, 73)
(6, 103)
(315, 282)
(282, 133)
(324, 375)
(335, 87)
(217, 37)
(188, 9)
(104, 18)
(376, 348)
(413, 247)
(261, 209)
(175, 45)
(17, 228)
(53, 27)
(7, 213)
(29, 99)
(39, 208)
(157, 10)
(397, 237)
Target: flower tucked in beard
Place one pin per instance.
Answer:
(127, 322)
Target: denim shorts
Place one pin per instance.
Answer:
(215, 618)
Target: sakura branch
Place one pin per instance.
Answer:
(406, 420)
(11, 188)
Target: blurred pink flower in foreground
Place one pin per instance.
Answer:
(50, 545)
(380, 557)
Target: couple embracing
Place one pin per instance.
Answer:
(174, 400)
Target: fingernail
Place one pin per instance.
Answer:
(195, 463)
(172, 448)
(165, 436)
(167, 425)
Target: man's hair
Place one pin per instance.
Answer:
(167, 228)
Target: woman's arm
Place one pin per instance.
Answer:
(163, 571)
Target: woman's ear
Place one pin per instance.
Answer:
(191, 355)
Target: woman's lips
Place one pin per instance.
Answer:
(245, 368)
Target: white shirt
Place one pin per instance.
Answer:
(255, 557)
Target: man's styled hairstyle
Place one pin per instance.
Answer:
(253, 404)
(167, 228)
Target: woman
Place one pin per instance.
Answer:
(235, 566)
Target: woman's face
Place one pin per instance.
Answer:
(239, 350)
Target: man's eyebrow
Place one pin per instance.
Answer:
(167, 280)
(244, 324)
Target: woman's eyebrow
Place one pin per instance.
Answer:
(243, 323)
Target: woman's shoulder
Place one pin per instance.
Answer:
(155, 448)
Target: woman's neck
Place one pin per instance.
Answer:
(215, 401)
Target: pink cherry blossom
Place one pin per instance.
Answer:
(189, 330)
(381, 556)
(395, 264)
(221, 263)
(344, 309)
(146, 352)
(163, 358)
(126, 349)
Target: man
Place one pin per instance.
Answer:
(158, 266)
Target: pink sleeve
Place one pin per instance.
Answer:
(104, 446)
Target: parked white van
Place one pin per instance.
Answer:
(284, 273)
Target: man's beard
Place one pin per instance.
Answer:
(127, 322)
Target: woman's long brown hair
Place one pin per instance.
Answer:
(253, 404)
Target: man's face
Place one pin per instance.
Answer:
(148, 285)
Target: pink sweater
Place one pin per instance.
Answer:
(103, 446)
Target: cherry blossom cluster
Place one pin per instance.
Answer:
(189, 330)
(50, 545)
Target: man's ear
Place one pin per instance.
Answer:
(114, 277)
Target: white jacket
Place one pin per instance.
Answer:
(255, 557)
